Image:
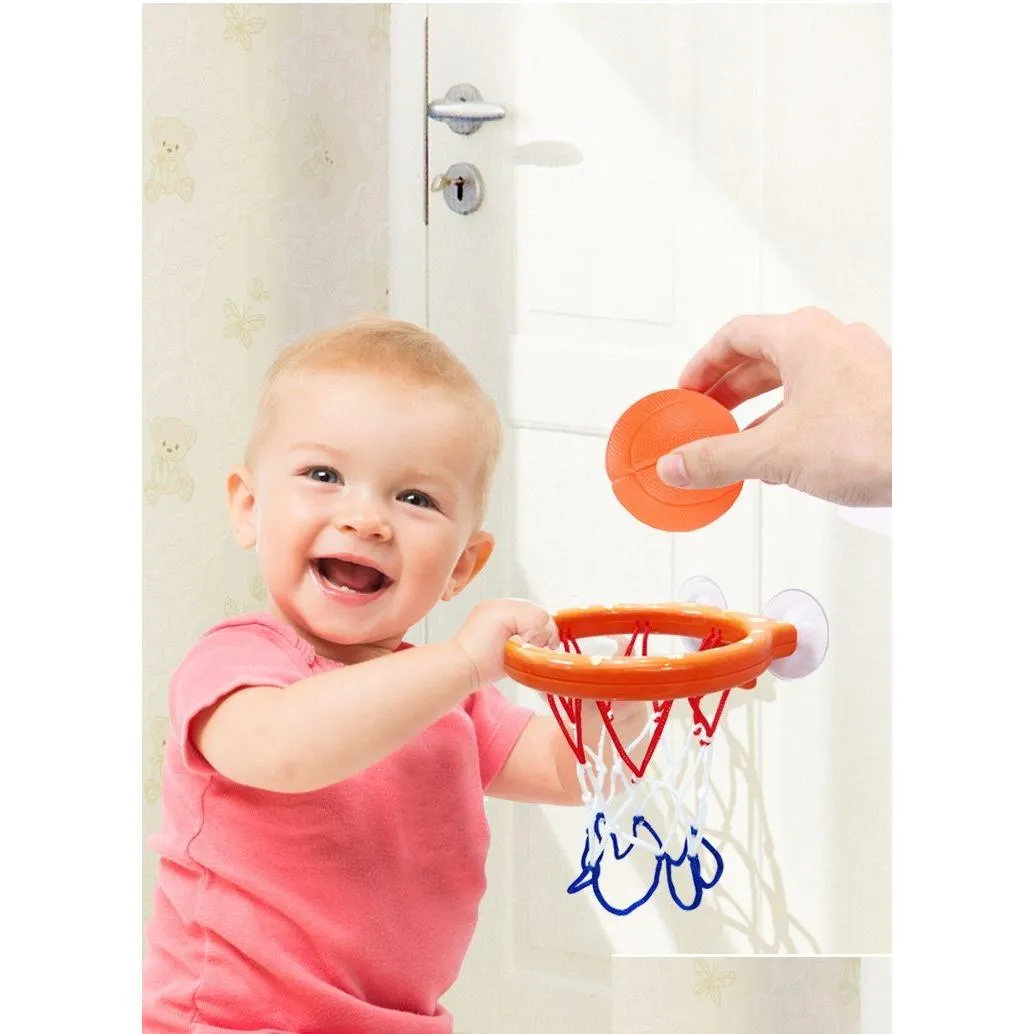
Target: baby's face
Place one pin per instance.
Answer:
(366, 494)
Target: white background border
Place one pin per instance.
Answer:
(71, 440)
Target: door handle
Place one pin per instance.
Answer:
(463, 110)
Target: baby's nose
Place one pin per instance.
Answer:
(365, 521)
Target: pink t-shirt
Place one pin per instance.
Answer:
(345, 910)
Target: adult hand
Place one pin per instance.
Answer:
(830, 436)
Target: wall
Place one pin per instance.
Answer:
(748, 995)
(265, 218)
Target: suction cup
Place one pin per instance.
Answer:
(800, 609)
(700, 590)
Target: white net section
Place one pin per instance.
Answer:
(671, 795)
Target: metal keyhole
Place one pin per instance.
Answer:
(462, 187)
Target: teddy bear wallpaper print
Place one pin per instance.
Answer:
(264, 218)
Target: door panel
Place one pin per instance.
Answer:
(646, 186)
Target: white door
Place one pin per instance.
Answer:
(661, 168)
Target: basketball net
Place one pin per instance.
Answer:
(645, 799)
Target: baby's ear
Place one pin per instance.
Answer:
(473, 558)
(241, 499)
(157, 128)
(189, 137)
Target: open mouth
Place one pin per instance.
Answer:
(350, 576)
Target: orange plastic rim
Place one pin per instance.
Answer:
(650, 429)
(750, 644)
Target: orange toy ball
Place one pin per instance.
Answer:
(650, 429)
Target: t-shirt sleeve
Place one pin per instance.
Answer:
(497, 723)
(227, 659)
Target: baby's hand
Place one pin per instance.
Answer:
(484, 633)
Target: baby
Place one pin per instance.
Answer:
(323, 841)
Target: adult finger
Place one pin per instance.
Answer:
(744, 382)
(720, 460)
(742, 338)
(764, 416)
(757, 423)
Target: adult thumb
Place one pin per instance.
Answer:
(721, 460)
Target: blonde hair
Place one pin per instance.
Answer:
(393, 348)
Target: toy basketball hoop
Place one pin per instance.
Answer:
(646, 794)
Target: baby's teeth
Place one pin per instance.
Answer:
(338, 588)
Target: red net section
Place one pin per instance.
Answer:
(704, 728)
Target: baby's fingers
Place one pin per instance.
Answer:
(620, 644)
(542, 634)
(548, 637)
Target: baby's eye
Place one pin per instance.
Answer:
(415, 498)
(324, 475)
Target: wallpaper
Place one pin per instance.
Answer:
(263, 185)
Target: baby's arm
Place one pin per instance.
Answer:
(327, 727)
(324, 728)
(541, 768)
